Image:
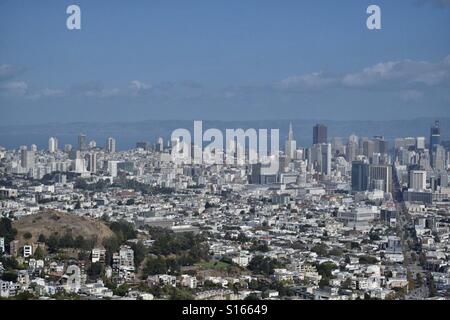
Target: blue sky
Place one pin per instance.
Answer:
(252, 59)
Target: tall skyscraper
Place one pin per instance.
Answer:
(321, 158)
(160, 145)
(420, 143)
(26, 158)
(435, 135)
(438, 158)
(82, 146)
(291, 144)
(380, 145)
(360, 176)
(52, 144)
(320, 134)
(380, 177)
(417, 179)
(255, 175)
(92, 162)
(112, 168)
(111, 145)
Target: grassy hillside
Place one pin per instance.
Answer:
(60, 223)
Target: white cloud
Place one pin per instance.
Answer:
(8, 71)
(392, 74)
(17, 88)
(138, 87)
(316, 80)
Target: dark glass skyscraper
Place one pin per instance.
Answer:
(320, 134)
(82, 146)
(360, 176)
(435, 135)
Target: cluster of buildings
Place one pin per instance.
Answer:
(342, 219)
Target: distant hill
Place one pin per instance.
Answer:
(62, 223)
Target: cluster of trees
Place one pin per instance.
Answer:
(167, 242)
(263, 265)
(99, 186)
(55, 242)
(325, 269)
(7, 231)
(123, 230)
(163, 265)
(261, 247)
(366, 259)
(172, 293)
(172, 250)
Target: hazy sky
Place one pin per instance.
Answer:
(217, 59)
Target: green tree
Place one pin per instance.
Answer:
(7, 231)
(95, 270)
(27, 235)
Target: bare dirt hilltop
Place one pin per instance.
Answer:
(47, 223)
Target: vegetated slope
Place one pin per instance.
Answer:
(61, 223)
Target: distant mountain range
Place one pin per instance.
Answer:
(128, 133)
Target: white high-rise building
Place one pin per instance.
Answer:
(92, 162)
(420, 143)
(418, 179)
(112, 168)
(79, 166)
(291, 145)
(160, 145)
(26, 158)
(52, 144)
(111, 145)
(321, 158)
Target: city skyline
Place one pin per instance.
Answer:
(274, 152)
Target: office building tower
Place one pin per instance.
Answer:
(443, 180)
(142, 145)
(92, 144)
(380, 174)
(111, 145)
(381, 145)
(92, 162)
(320, 134)
(291, 145)
(352, 150)
(438, 158)
(79, 165)
(74, 154)
(82, 146)
(368, 148)
(420, 143)
(360, 176)
(255, 174)
(321, 158)
(112, 168)
(435, 135)
(33, 147)
(27, 159)
(52, 144)
(160, 145)
(417, 179)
